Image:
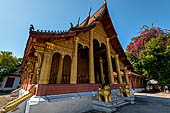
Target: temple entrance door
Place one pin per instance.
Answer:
(83, 65)
(114, 70)
(66, 70)
(100, 61)
(105, 68)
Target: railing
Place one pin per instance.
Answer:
(13, 104)
(13, 92)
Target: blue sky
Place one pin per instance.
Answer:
(127, 16)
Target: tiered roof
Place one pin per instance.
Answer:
(102, 15)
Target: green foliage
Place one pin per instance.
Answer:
(8, 63)
(154, 59)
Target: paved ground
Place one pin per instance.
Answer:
(148, 103)
(145, 103)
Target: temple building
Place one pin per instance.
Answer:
(77, 61)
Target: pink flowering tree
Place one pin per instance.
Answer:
(137, 43)
(149, 53)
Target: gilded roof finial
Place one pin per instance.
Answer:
(104, 1)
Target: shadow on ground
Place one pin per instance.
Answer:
(152, 102)
(148, 103)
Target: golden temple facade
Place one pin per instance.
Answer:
(78, 60)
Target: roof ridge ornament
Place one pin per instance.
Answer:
(88, 18)
(78, 22)
(71, 25)
(90, 11)
(31, 27)
(104, 1)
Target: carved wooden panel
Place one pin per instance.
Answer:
(99, 33)
(84, 38)
(99, 29)
(60, 49)
(66, 43)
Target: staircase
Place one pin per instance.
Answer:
(109, 107)
(12, 106)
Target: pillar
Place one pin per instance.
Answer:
(126, 75)
(118, 69)
(110, 68)
(60, 70)
(91, 60)
(101, 70)
(73, 77)
(46, 68)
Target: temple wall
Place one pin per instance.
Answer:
(75, 104)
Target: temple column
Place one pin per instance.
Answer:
(60, 70)
(110, 68)
(118, 69)
(91, 60)
(46, 68)
(73, 77)
(126, 75)
(101, 70)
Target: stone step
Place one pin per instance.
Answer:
(103, 106)
(122, 104)
(118, 102)
(104, 109)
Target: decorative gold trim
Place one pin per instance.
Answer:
(13, 104)
(30, 58)
(38, 44)
(13, 92)
(39, 49)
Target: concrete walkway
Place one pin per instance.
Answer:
(5, 97)
(148, 103)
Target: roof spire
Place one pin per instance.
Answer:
(78, 22)
(90, 11)
(104, 1)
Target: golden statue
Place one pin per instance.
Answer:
(125, 92)
(105, 92)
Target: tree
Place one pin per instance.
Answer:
(8, 63)
(137, 45)
(152, 57)
(156, 59)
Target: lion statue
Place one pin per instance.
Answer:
(125, 92)
(105, 92)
